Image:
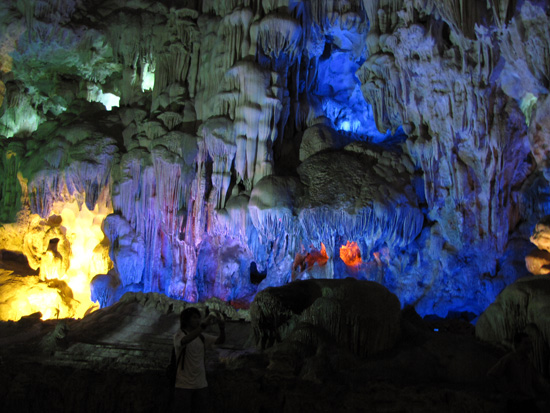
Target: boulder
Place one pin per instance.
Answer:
(522, 306)
(318, 138)
(362, 316)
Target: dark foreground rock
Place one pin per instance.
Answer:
(361, 316)
(523, 306)
(113, 361)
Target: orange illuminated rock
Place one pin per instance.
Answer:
(538, 262)
(315, 256)
(351, 254)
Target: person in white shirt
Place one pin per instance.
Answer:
(191, 387)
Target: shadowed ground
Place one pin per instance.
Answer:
(114, 360)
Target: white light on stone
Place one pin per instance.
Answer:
(148, 78)
(109, 100)
(527, 104)
(346, 126)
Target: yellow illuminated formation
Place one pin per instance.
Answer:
(68, 249)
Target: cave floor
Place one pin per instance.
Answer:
(113, 360)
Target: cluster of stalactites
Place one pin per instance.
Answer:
(465, 15)
(280, 36)
(397, 228)
(254, 97)
(462, 115)
(247, 112)
(249, 96)
(347, 15)
(150, 196)
(10, 189)
(177, 59)
(462, 15)
(223, 8)
(68, 171)
(157, 40)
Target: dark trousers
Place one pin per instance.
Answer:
(190, 400)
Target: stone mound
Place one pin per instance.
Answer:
(362, 316)
(522, 306)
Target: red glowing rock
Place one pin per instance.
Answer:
(315, 256)
(351, 254)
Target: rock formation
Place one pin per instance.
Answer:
(361, 316)
(521, 307)
(114, 360)
(181, 146)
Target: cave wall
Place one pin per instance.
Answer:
(219, 142)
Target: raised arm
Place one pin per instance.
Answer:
(193, 334)
(221, 326)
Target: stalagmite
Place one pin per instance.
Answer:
(219, 139)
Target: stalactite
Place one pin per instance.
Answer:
(235, 28)
(333, 12)
(280, 36)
